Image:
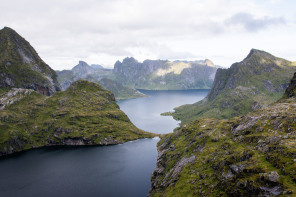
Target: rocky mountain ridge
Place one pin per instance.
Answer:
(21, 66)
(257, 81)
(164, 74)
(251, 155)
(100, 76)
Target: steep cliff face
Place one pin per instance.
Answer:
(259, 80)
(104, 77)
(84, 114)
(21, 67)
(163, 74)
(291, 90)
(252, 155)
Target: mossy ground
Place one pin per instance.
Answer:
(84, 111)
(231, 156)
(259, 80)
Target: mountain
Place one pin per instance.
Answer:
(96, 66)
(82, 70)
(251, 155)
(165, 75)
(120, 92)
(257, 81)
(21, 67)
(103, 77)
(84, 114)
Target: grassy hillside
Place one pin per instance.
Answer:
(252, 155)
(21, 67)
(259, 80)
(84, 114)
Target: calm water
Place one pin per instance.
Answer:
(145, 112)
(120, 170)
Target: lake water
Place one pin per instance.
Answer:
(145, 112)
(120, 170)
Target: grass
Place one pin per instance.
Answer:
(84, 111)
(219, 144)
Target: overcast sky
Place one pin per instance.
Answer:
(104, 31)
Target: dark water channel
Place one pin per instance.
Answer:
(120, 170)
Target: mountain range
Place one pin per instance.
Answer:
(257, 81)
(98, 75)
(250, 155)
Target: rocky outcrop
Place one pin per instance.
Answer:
(21, 67)
(163, 74)
(14, 95)
(84, 114)
(251, 155)
(257, 81)
(99, 76)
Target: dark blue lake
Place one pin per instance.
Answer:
(120, 170)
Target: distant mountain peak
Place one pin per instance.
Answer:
(209, 63)
(129, 60)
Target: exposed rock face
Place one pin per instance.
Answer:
(21, 67)
(84, 114)
(252, 155)
(15, 94)
(259, 80)
(99, 76)
(291, 90)
(163, 74)
(82, 70)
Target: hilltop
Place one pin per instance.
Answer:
(84, 114)
(251, 155)
(21, 66)
(257, 81)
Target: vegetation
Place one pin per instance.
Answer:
(257, 81)
(104, 77)
(20, 65)
(253, 155)
(165, 75)
(84, 114)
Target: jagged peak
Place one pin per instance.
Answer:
(81, 65)
(129, 60)
(9, 30)
(260, 53)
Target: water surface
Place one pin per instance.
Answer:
(145, 112)
(106, 171)
(119, 170)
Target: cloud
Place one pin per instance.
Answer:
(252, 24)
(103, 31)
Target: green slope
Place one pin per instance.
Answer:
(259, 80)
(20, 65)
(84, 114)
(252, 155)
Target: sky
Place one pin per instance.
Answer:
(104, 31)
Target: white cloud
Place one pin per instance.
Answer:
(107, 30)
